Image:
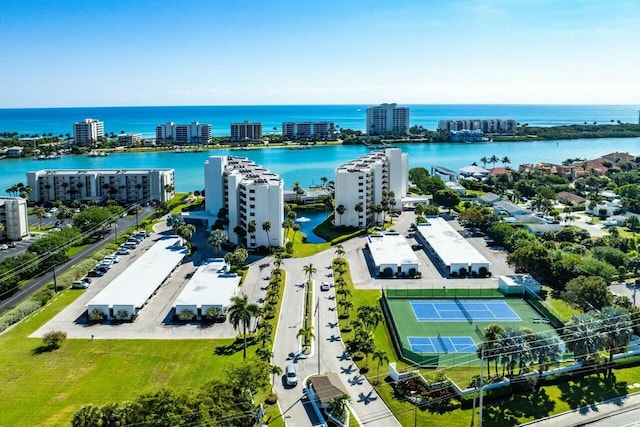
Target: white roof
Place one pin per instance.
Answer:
(137, 283)
(450, 246)
(391, 248)
(209, 285)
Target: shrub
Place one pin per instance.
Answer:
(21, 311)
(54, 339)
(483, 271)
(271, 399)
(186, 315)
(357, 356)
(122, 315)
(96, 316)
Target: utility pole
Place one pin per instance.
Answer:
(481, 384)
(318, 332)
(55, 283)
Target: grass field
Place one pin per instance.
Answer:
(407, 325)
(49, 387)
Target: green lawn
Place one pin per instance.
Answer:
(301, 249)
(48, 388)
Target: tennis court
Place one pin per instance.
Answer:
(442, 344)
(462, 310)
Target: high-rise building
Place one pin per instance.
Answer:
(88, 131)
(246, 132)
(122, 185)
(387, 118)
(247, 192)
(183, 133)
(319, 130)
(367, 181)
(13, 216)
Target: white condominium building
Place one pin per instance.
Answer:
(246, 131)
(387, 118)
(361, 183)
(319, 130)
(484, 125)
(87, 131)
(248, 192)
(129, 139)
(182, 134)
(122, 185)
(13, 215)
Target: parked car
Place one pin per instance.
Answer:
(102, 267)
(113, 258)
(132, 242)
(79, 284)
(123, 251)
(88, 280)
(11, 244)
(95, 273)
(291, 376)
(4, 247)
(417, 247)
(325, 286)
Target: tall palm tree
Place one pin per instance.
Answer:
(505, 161)
(382, 358)
(493, 159)
(240, 314)
(40, 213)
(484, 160)
(582, 336)
(266, 227)
(309, 270)
(216, 239)
(274, 370)
(545, 350)
(339, 250)
(340, 210)
(251, 229)
(616, 330)
(491, 344)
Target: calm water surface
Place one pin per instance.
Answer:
(308, 166)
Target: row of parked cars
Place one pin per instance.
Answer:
(105, 264)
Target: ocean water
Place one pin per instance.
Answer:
(144, 119)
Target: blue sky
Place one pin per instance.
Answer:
(244, 52)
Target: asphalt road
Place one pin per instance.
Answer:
(38, 282)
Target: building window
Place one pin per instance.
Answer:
(252, 191)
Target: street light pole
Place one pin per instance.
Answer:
(318, 332)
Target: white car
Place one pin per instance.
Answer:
(79, 284)
(325, 286)
(4, 247)
(113, 258)
(123, 251)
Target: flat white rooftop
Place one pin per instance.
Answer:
(450, 246)
(391, 248)
(209, 285)
(139, 281)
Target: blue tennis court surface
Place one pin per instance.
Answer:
(442, 344)
(463, 310)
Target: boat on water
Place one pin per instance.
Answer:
(49, 157)
(303, 219)
(300, 147)
(97, 154)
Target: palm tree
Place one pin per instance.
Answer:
(382, 358)
(274, 370)
(616, 330)
(505, 161)
(491, 345)
(266, 227)
(251, 229)
(186, 231)
(306, 334)
(309, 270)
(241, 313)
(40, 212)
(359, 207)
(484, 160)
(340, 210)
(338, 406)
(295, 227)
(277, 263)
(339, 250)
(216, 239)
(545, 350)
(493, 159)
(324, 180)
(581, 334)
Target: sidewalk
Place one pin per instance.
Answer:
(590, 414)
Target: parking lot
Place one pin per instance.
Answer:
(155, 319)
